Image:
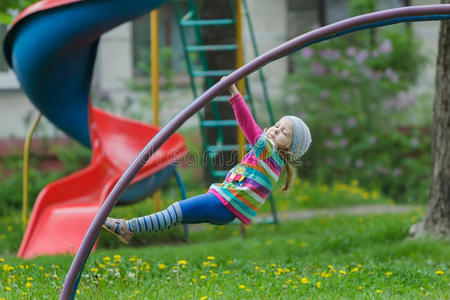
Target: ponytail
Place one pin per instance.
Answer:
(290, 172)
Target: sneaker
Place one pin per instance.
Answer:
(119, 229)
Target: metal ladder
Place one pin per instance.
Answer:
(187, 17)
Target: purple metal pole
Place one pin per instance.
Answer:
(206, 97)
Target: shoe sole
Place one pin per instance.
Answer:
(118, 236)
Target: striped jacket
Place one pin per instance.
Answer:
(248, 184)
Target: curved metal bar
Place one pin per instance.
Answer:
(430, 12)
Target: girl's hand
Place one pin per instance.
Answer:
(232, 88)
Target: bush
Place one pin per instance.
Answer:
(355, 100)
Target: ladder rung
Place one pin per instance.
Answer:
(229, 47)
(214, 73)
(221, 99)
(220, 148)
(226, 98)
(219, 173)
(219, 123)
(206, 22)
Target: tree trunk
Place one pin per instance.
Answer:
(220, 60)
(436, 221)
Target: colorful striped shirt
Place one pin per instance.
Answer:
(248, 184)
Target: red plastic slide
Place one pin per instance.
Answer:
(65, 208)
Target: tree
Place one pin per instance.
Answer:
(437, 218)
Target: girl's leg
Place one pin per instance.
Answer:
(204, 208)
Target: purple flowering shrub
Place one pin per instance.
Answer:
(355, 96)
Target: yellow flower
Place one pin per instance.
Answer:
(137, 292)
(206, 263)
(342, 272)
(202, 277)
(213, 265)
(210, 258)
(388, 273)
(219, 293)
(116, 256)
(379, 291)
(354, 270)
(241, 286)
(359, 287)
(439, 272)
(319, 284)
(95, 270)
(30, 278)
(161, 266)
(230, 262)
(28, 284)
(354, 182)
(305, 280)
(204, 298)
(132, 259)
(182, 262)
(7, 288)
(41, 268)
(226, 272)
(1, 260)
(106, 258)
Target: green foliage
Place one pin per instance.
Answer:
(324, 258)
(165, 66)
(354, 96)
(74, 157)
(7, 7)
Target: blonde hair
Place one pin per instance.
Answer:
(285, 154)
(290, 172)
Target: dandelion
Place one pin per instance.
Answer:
(388, 273)
(161, 266)
(1, 260)
(94, 270)
(138, 292)
(204, 298)
(219, 293)
(305, 280)
(28, 285)
(379, 291)
(360, 288)
(342, 272)
(203, 277)
(241, 286)
(354, 270)
(206, 263)
(319, 284)
(182, 262)
(226, 272)
(7, 288)
(439, 272)
(210, 258)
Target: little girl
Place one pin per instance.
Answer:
(246, 186)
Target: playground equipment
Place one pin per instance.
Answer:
(65, 208)
(100, 8)
(188, 17)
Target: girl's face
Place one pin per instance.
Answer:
(281, 133)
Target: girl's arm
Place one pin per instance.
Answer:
(244, 117)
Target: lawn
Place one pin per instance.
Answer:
(322, 258)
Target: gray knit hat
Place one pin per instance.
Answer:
(301, 138)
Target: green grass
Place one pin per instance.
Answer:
(351, 257)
